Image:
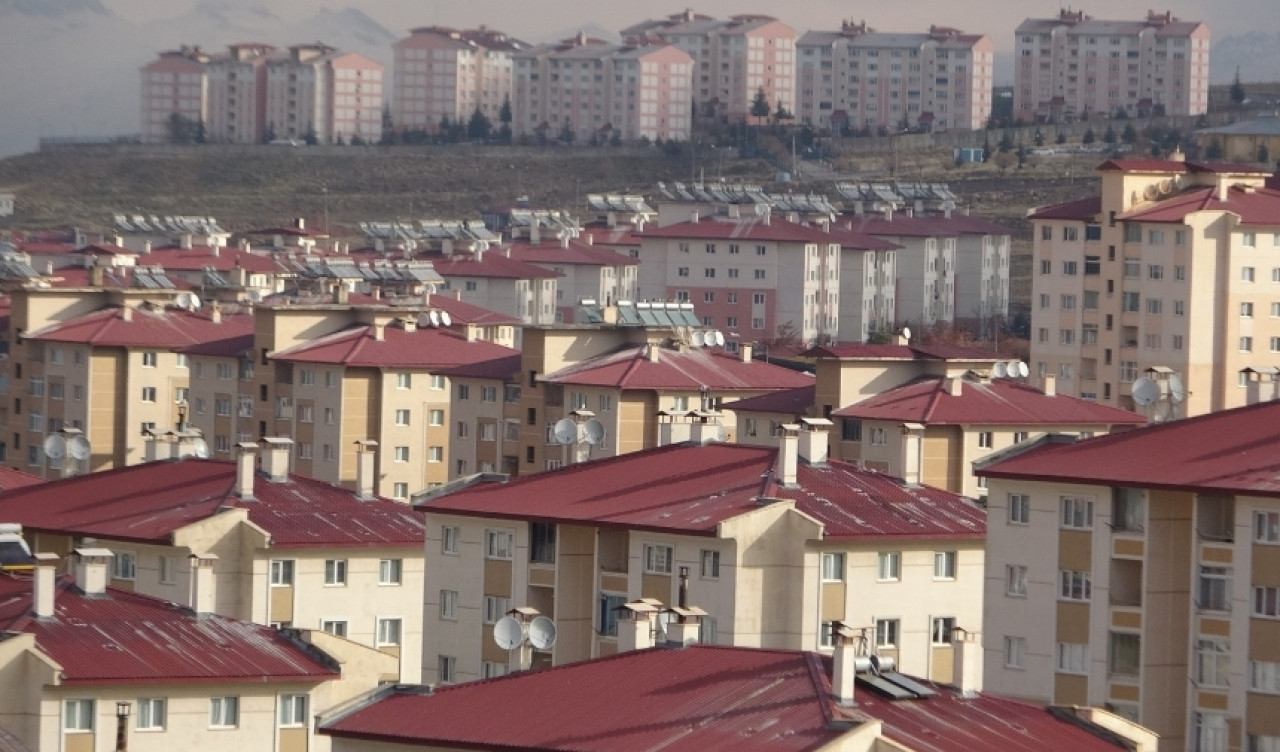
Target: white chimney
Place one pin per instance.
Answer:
(202, 584)
(684, 629)
(745, 351)
(635, 624)
(91, 570)
(912, 448)
(44, 585)
(275, 460)
(366, 464)
(788, 455)
(1050, 385)
(654, 352)
(955, 385)
(471, 332)
(246, 461)
(813, 440)
(705, 428)
(967, 662)
(844, 665)
(185, 241)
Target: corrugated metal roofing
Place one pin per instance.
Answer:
(1083, 210)
(11, 479)
(787, 401)
(422, 348)
(169, 328)
(492, 264)
(630, 368)
(1255, 206)
(901, 352)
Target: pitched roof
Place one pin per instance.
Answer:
(11, 479)
(787, 401)
(198, 258)
(927, 400)
(115, 277)
(492, 264)
(927, 226)
(501, 369)
(147, 503)
(578, 253)
(695, 369)
(1241, 458)
(900, 352)
(1082, 210)
(745, 228)
(127, 638)
(691, 489)
(466, 313)
(422, 348)
(165, 328)
(699, 698)
(1255, 206)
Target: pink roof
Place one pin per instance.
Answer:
(199, 257)
(147, 503)
(1255, 206)
(928, 226)
(786, 401)
(1239, 458)
(492, 264)
(630, 368)
(169, 328)
(11, 479)
(500, 369)
(900, 352)
(422, 348)
(690, 489)
(115, 277)
(1083, 210)
(705, 698)
(605, 235)
(466, 313)
(578, 253)
(746, 228)
(127, 638)
(999, 402)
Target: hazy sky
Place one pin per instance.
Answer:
(533, 19)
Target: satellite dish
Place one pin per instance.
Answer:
(906, 332)
(200, 448)
(565, 431)
(593, 431)
(445, 319)
(1000, 369)
(1161, 412)
(55, 447)
(1177, 392)
(194, 302)
(1144, 391)
(78, 448)
(508, 633)
(1166, 186)
(542, 633)
(698, 339)
(1150, 192)
(435, 318)
(719, 338)
(1023, 370)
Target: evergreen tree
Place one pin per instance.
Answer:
(1061, 139)
(781, 113)
(310, 136)
(388, 127)
(504, 114)
(1088, 137)
(986, 148)
(1129, 135)
(478, 127)
(1237, 90)
(1006, 143)
(1264, 154)
(760, 105)
(1110, 136)
(270, 135)
(1213, 152)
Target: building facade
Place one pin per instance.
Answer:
(174, 84)
(448, 74)
(317, 91)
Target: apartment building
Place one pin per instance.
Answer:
(1139, 571)
(319, 91)
(279, 549)
(858, 78)
(1169, 269)
(1076, 66)
(584, 271)
(173, 84)
(485, 417)
(760, 419)
(448, 74)
(90, 667)
(1246, 141)
(587, 90)
(733, 60)
(237, 94)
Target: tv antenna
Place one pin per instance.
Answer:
(434, 316)
(55, 446)
(1177, 392)
(698, 339)
(719, 338)
(78, 448)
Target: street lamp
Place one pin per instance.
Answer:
(122, 725)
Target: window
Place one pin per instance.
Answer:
(944, 565)
(389, 631)
(435, 454)
(1246, 274)
(1263, 743)
(832, 567)
(851, 429)
(449, 539)
(498, 544)
(1264, 676)
(879, 437)
(404, 380)
(942, 629)
(148, 360)
(402, 417)
(447, 666)
(1046, 266)
(710, 569)
(464, 391)
(224, 712)
(1213, 663)
(224, 371)
(985, 439)
(890, 566)
(1246, 310)
(1214, 589)
(293, 710)
(282, 572)
(124, 566)
(1019, 509)
(759, 274)
(1155, 306)
(335, 572)
(1077, 512)
(1075, 585)
(887, 633)
(1015, 578)
(435, 382)
(435, 418)
(401, 454)
(449, 604)
(1210, 732)
(1246, 344)
(608, 614)
(1073, 658)
(1266, 527)
(77, 715)
(542, 542)
(335, 627)
(1124, 653)
(1130, 302)
(151, 713)
(488, 394)
(1248, 239)
(166, 570)
(462, 429)
(1015, 652)
(657, 559)
(390, 571)
(1070, 268)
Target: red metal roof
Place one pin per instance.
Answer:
(127, 638)
(147, 503)
(746, 228)
(786, 401)
(422, 348)
(701, 698)
(578, 252)
(927, 226)
(1240, 457)
(1255, 206)
(198, 258)
(500, 369)
(11, 479)
(116, 277)
(466, 313)
(1083, 210)
(691, 489)
(998, 402)
(171, 328)
(630, 368)
(492, 264)
(900, 352)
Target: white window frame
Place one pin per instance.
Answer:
(659, 558)
(124, 566)
(888, 633)
(1075, 585)
(224, 712)
(1076, 512)
(283, 572)
(493, 608)
(450, 540)
(710, 564)
(292, 710)
(1015, 652)
(1019, 509)
(1072, 658)
(449, 605)
(151, 714)
(833, 566)
(889, 566)
(499, 544)
(335, 627)
(390, 572)
(941, 630)
(78, 715)
(1015, 580)
(944, 565)
(335, 572)
(389, 631)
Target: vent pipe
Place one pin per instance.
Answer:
(44, 585)
(813, 440)
(687, 621)
(246, 461)
(91, 570)
(844, 664)
(788, 455)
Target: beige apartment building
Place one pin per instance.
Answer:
(318, 90)
(237, 94)
(1076, 66)
(1139, 571)
(448, 74)
(173, 84)
(774, 545)
(859, 78)
(1170, 270)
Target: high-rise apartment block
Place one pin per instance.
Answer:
(319, 91)
(1075, 66)
(859, 78)
(237, 90)
(443, 73)
(173, 85)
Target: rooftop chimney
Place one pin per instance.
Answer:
(91, 570)
(95, 276)
(215, 312)
(379, 331)
(654, 352)
(966, 673)
(202, 584)
(366, 468)
(1050, 385)
(844, 666)
(788, 455)
(813, 440)
(275, 460)
(912, 448)
(245, 464)
(705, 428)
(471, 332)
(671, 431)
(340, 294)
(185, 241)
(745, 351)
(685, 627)
(126, 312)
(44, 585)
(635, 624)
(955, 385)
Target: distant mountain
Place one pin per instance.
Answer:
(51, 8)
(1257, 54)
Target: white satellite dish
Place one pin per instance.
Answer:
(78, 448)
(698, 339)
(593, 431)
(200, 448)
(55, 447)
(906, 332)
(194, 302)
(542, 633)
(1177, 392)
(508, 633)
(1023, 370)
(434, 316)
(1000, 369)
(565, 431)
(1144, 391)
(445, 319)
(719, 338)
